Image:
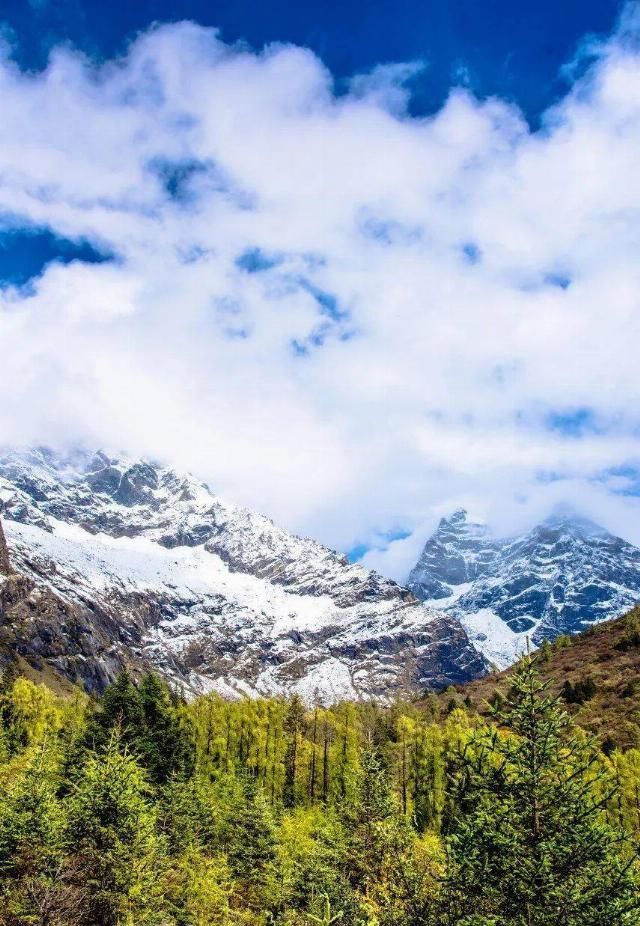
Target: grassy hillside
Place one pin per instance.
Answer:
(597, 673)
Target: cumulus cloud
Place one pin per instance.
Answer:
(342, 315)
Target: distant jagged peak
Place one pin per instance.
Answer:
(565, 517)
(558, 576)
(461, 522)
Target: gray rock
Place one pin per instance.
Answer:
(560, 577)
(129, 563)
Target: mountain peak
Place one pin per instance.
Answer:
(459, 516)
(565, 517)
(561, 576)
(139, 565)
(461, 521)
(455, 554)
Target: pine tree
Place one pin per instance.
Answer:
(312, 845)
(368, 822)
(252, 848)
(34, 887)
(530, 845)
(252, 834)
(31, 817)
(189, 815)
(149, 723)
(166, 744)
(198, 889)
(10, 673)
(387, 867)
(119, 708)
(118, 855)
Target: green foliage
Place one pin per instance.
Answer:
(141, 810)
(583, 690)
(631, 638)
(112, 825)
(150, 723)
(32, 825)
(544, 653)
(251, 836)
(326, 918)
(27, 712)
(198, 889)
(294, 721)
(530, 842)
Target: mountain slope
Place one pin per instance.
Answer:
(560, 577)
(124, 562)
(597, 673)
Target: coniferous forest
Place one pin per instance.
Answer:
(140, 808)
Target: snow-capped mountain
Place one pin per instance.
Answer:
(118, 562)
(561, 576)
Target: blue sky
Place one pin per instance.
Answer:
(511, 49)
(355, 279)
(26, 250)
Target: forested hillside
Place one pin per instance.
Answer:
(142, 809)
(596, 674)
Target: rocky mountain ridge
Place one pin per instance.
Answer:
(127, 562)
(560, 577)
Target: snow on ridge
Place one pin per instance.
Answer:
(139, 498)
(563, 575)
(141, 563)
(217, 597)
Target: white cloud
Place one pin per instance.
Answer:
(409, 335)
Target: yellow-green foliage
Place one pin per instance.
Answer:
(143, 810)
(625, 807)
(37, 711)
(198, 888)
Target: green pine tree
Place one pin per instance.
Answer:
(252, 848)
(370, 822)
(118, 855)
(252, 842)
(165, 743)
(530, 845)
(150, 723)
(119, 708)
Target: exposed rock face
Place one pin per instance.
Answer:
(460, 551)
(81, 642)
(5, 562)
(558, 578)
(131, 563)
